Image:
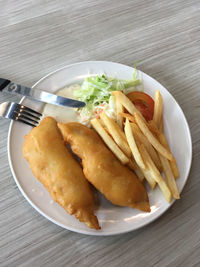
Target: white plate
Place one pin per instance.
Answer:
(113, 219)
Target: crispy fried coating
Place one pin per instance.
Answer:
(115, 181)
(54, 166)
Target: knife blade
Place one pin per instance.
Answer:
(39, 95)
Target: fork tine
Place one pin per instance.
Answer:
(31, 110)
(22, 111)
(19, 108)
(23, 116)
(26, 122)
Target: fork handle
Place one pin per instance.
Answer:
(3, 83)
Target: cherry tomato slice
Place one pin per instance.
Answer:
(143, 102)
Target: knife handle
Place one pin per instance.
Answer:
(3, 83)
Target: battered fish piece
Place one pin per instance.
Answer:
(54, 166)
(115, 181)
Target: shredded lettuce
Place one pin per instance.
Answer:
(96, 92)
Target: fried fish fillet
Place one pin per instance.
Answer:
(115, 181)
(54, 166)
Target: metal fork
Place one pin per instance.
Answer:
(17, 112)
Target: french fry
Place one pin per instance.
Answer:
(109, 141)
(128, 116)
(133, 146)
(158, 108)
(106, 129)
(148, 176)
(173, 163)
(169, 177)
(103, 125)
(152, 139)
(143, 140)
(126, 102)
(155, 174)
(161, 127)
(116, 133)
(119, 110)
(158, 121)
(175, 169)
(153, 127)
(132, 165)
(139, 173)
(159, 133)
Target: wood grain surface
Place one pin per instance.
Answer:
(37, 37)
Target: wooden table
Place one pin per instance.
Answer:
(37, 37)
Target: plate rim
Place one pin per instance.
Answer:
(86, 231)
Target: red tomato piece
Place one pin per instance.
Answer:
(143, 102)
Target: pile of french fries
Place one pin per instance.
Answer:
(139, 144)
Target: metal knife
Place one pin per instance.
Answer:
(39, 95)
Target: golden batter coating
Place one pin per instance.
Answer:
(54, 166)
(115, 181)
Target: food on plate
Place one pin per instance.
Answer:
(150, 154)
(153, 128)
(151, 138)
(155, 174)
(119, 111)
(144, 103)
(173, 163)
(132, 165)
(128, 116)
(158, 109)
(109, 141)
(96, 92)
(139, 173)
(169, 177)
(171, 171)
(126, 102)
(116, 133)
(100, 166)
(143, 140)
(54, 166)
(126, 146)
(133, 146)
